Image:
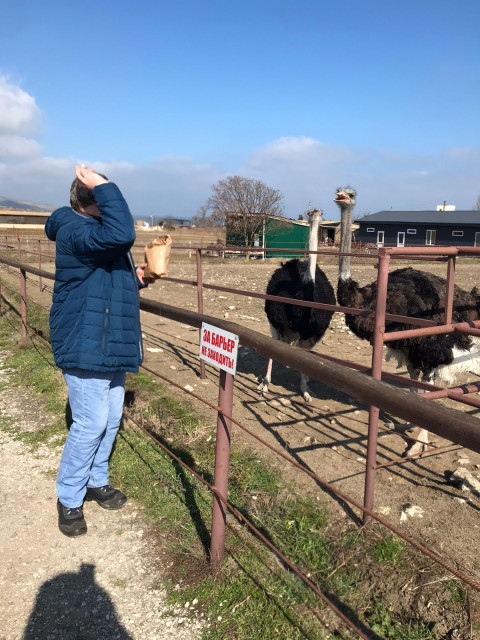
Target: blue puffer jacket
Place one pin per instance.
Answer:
(95, 317)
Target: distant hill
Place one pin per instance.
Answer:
(24, 205)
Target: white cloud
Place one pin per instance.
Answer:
(12, 146)
(462, 154)
(302, 168)
(306, 170)
(19, 113)
(301, 153)
(289, 147)
(172, 185)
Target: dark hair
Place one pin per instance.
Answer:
(80, 195)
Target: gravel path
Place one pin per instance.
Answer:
(101, 586)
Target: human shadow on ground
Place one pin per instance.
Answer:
(73, 605)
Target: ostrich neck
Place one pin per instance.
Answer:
(344, 272)
(312, 246)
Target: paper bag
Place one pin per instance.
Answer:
(157, 256)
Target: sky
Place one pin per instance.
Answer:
(168, 97)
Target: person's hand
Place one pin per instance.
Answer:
(140, 272)
(89, 177)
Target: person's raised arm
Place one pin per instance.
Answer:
(116, 234)
(89, 177)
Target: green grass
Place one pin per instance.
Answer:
(254, 596)
(31, 363)
(242, 608)
(382, 623)
(458, 593)
(388, 549)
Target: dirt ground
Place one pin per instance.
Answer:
(102, 586)
(328, 435)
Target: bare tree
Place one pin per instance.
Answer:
(243, 205)
(477, 205)
(202, 219)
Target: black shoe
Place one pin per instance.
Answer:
(71, 521)
(107, 497)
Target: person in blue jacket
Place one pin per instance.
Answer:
(95, 335)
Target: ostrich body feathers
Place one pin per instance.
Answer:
(420, 295)
(293, 323)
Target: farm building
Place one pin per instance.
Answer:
(279, 232)
(13, 218)
(173, 222)
(167, 223)
(407, 228)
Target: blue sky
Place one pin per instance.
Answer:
(167, 98)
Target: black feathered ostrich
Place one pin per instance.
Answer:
(436, 359)
(302, 326)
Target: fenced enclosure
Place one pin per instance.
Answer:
(339, 374)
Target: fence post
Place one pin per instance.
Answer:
(377, 357)
(450, 289)
(23, 296)
(222, 461)
(40, 263)
(6, 251)
(198, 255)
(19, 249)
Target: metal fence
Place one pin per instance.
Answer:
(344, 376)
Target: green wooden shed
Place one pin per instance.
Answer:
(286, 234)
(278, 232)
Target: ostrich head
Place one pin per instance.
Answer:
(313, 214)
(345, 197)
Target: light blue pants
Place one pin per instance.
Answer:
(96, 400)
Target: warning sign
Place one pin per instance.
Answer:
(219, 347)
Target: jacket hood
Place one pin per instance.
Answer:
(58, 218)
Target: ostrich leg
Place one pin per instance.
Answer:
(304, 388)
(421, 444)
(263, 386)
(308, 343)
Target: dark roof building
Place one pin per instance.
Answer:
(407, 228)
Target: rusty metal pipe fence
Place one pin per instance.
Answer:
(444, 254)
(457, 427)
(445, 422)
(447, 254)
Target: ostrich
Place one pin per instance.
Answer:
(436, 359)
(300, 280)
